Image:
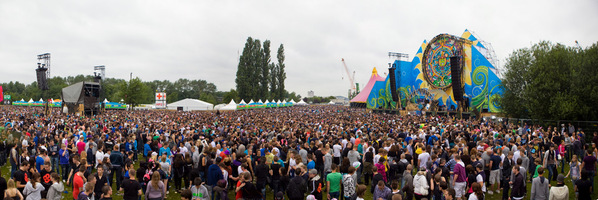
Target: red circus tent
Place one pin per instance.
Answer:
(362, 97)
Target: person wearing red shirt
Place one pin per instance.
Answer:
(78, 181)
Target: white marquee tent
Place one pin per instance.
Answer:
(230, 106)
(301, 103)
(189, 105)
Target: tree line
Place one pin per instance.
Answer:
(258, 77)
(134, 91)
(551, 81)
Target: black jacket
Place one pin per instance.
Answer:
(518, 186)
(296, 188)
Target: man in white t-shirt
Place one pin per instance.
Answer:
(423, 158)
(337, 148)
(99, 156)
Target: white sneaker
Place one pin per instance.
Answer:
(490, 192)
(497, 191)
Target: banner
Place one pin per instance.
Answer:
(160, 100)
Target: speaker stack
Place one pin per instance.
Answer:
(42, 82)
(393, 82)
(456, 78)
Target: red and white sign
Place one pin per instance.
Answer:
(160, 100)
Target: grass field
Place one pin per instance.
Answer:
(175, 196)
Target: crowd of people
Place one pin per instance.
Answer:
(313, 152)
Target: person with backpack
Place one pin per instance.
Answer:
(248, 189)
(315, 184)
(297, 186)
(349, 183)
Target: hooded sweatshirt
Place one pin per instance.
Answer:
(559, 192)
(200, 193)
(55, 191)
(540, 188)
(315, 187)
(420, 184)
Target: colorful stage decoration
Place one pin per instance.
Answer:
(436, 61)
(428, 76)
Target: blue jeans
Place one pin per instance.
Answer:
(55, 166)
(65, 171)
(334, 195)
(118, 171)
(552, 172)
(13, 169)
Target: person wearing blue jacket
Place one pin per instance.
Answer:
(146, 148)
(214, 175)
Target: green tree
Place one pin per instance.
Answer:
(133, 91)
(231, 95)
(281, 75)
(273, 83)
(243, 71)
(265, 70)
(551, 81)
(514, 81)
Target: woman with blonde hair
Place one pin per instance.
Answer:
(155, 188)
(12, 192)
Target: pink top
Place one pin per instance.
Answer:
(80, 147)
(381, 170)
(562, 150)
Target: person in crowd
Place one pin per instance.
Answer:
(199, 191)
(420, 184)
(518, 191)
(315, 185)
(381, 191)
(106, 193)
(459, 178)
(87, 193)
(349, 183)
(131, 187)
(560, 191)
(540, 186)
(333, 182)
(274, 144)
(360, 193)
(12, 192)
(33, 188)
(155, 188)
(56, 189)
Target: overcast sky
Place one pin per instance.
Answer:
(203, 39)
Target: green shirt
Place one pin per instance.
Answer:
(335, 181)
(536, 173)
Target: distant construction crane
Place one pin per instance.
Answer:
(352, 88)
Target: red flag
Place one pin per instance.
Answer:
(1, 94)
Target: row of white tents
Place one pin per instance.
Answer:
(195, 104)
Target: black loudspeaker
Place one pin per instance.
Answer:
(42, 82)
(393, 83)
(456, 78)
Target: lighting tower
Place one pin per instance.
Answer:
(46, 62)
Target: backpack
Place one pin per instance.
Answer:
(348, 184)
(293, 190)
(250, 191)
